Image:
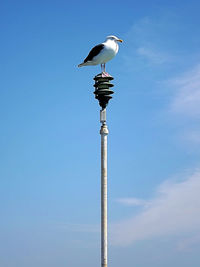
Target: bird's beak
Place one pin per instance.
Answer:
(120, 40)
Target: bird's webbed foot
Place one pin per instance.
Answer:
(105, 74)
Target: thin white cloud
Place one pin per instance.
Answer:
(143, 42)
(184, 105)
(192, 136)
(153, 55)
(85, 228)
(187, 244)
(186, 100)
(175, 210)
(132, 201)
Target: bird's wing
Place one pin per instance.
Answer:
(94, 52)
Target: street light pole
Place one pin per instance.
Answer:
(104, 134)
(103, 94)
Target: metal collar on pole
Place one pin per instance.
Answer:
(102, 89)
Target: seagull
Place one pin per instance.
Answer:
(102, 53)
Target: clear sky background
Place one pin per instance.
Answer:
(50, 142)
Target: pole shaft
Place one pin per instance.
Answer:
(104, 243)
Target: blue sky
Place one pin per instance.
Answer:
(50, 142)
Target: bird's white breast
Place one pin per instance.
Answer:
(109, 51)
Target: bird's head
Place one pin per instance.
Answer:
(113, 38)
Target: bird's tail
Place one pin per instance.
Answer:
(81, 65)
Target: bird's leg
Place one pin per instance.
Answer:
(104, 73)
(101, 68)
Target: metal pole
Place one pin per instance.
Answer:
(103, 93)
(104, 242)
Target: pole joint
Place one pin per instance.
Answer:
(104, 128)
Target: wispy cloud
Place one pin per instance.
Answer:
(144, 43)
(191, 136)
(187, 244)
(186, 99)
(153, 55)
(85, 228)
(132, 202)
(184, 105)
(174, 210)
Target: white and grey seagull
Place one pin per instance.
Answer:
(102, 53)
